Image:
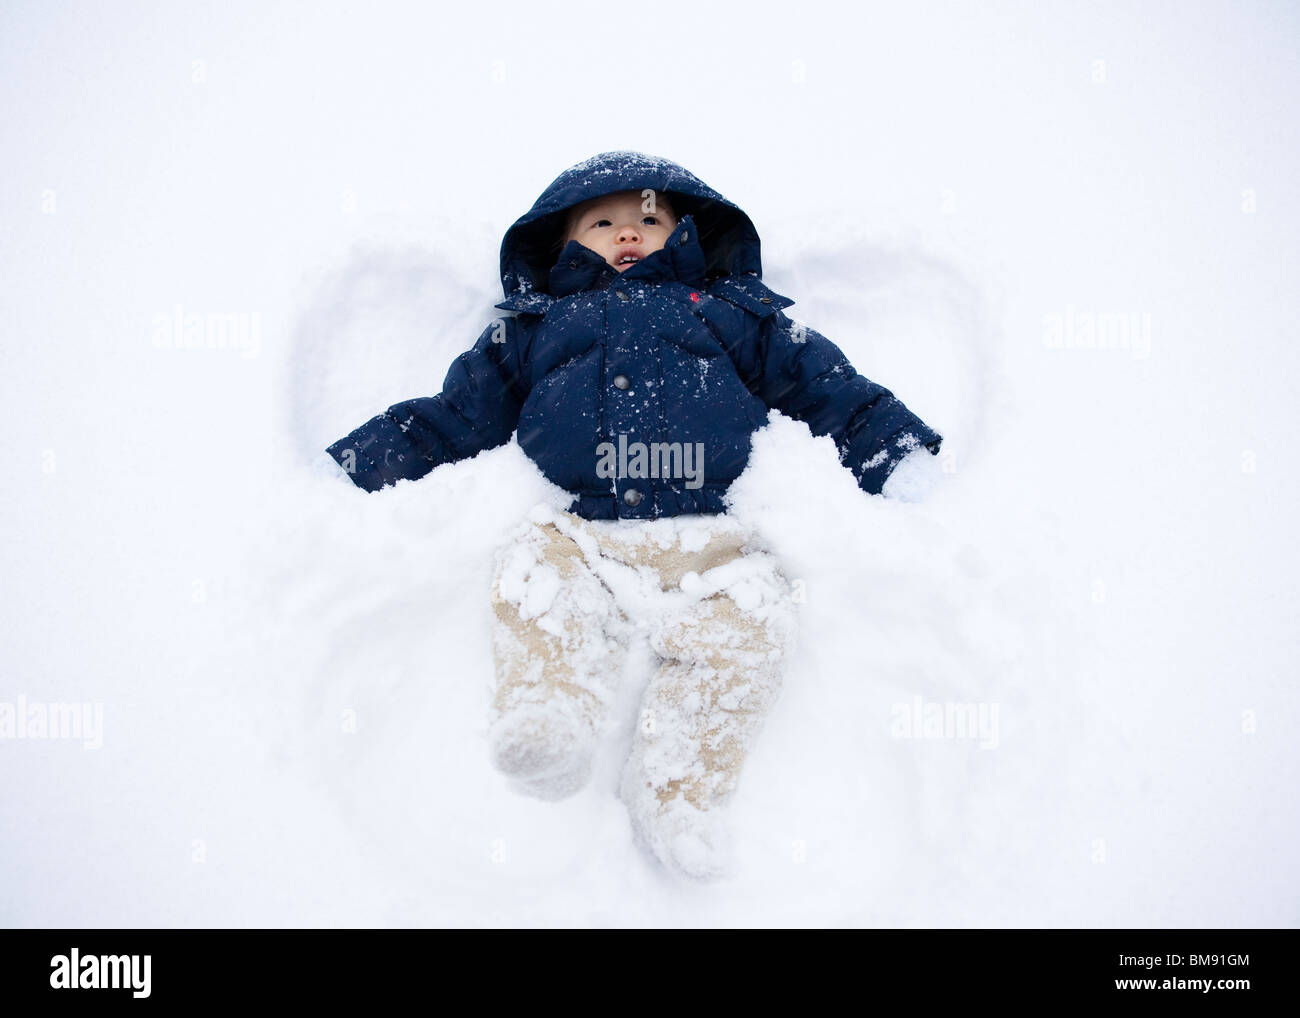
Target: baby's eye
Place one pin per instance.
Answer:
(651, 221)
(601, 222)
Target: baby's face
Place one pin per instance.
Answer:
(617, 229)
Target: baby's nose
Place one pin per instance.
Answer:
(628, 234)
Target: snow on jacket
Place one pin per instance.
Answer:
(637, 392)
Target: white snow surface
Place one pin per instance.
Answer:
(294, 674)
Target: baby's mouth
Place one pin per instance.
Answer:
(626, 256)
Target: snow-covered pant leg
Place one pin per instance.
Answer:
(558, 653)
(723, 653)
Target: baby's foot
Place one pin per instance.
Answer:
(689, 841)
(547, 755)
(694, 843)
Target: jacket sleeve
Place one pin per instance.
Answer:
(477, 409)
(797, 370)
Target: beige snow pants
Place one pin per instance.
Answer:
(568, 593)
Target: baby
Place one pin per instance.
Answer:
(642, 352)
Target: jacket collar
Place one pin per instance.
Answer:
(579, 268)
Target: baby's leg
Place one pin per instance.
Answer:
(722, 662)
(557, 659)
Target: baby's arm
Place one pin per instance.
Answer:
(797, 370)
(477, 409)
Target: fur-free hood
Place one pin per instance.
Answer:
(530, 247)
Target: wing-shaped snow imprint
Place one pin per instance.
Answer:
(915, 316)
(385, 326)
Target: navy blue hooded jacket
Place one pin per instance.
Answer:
(638, 392)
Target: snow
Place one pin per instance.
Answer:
(294, 675)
